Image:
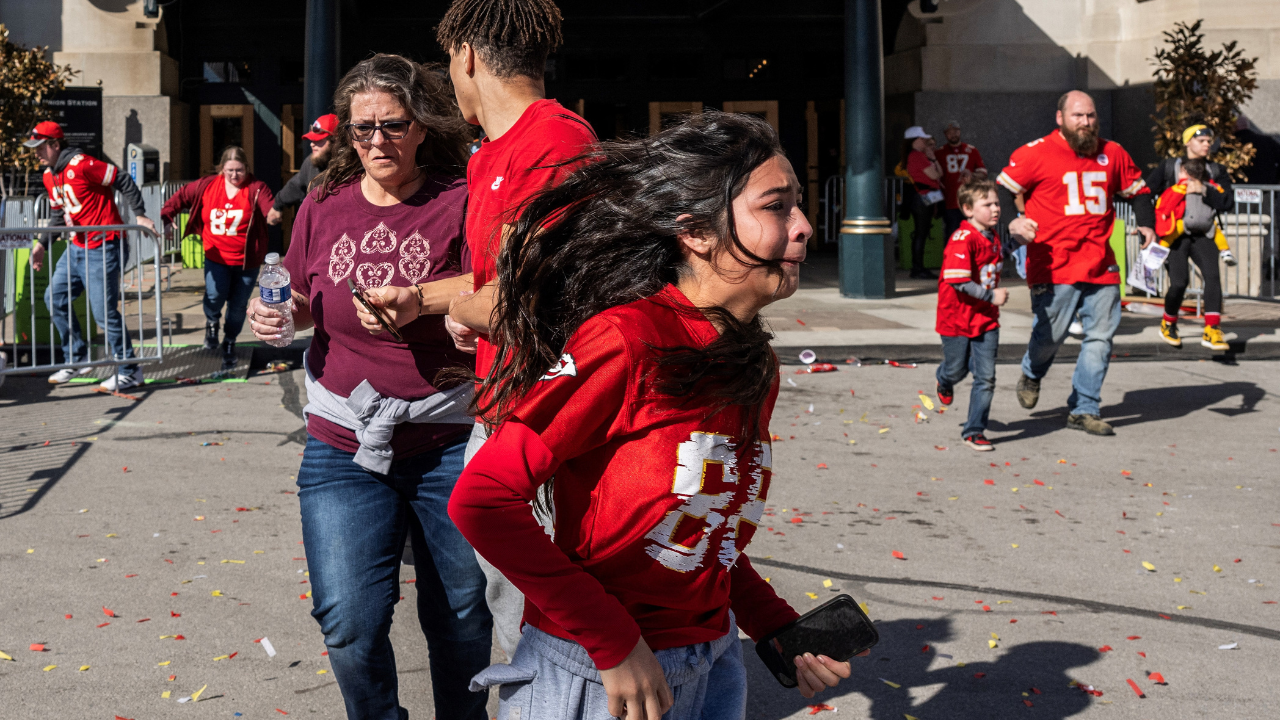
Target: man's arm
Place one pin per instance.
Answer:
(125, 185)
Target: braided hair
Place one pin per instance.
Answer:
(512, 37)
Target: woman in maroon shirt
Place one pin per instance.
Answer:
(385, 443)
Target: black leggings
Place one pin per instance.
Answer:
(922, 217)
(1201, 249)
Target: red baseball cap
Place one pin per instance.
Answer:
(44, 131)
(323, 127)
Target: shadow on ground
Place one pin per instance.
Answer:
(976, 691)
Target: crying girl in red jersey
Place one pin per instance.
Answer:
(634, 367)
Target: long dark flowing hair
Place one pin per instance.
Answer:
(424, 92)
(607, 236)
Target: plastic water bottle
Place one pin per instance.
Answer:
(273, 287)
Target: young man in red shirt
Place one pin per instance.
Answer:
(960, 161)
(969, 301)
(1067, 180)
(82, 191)
(497, 56)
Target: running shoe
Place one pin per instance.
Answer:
(1076, 327)
(210, 336)
(1213, 339)
(946, 395)
(1028, 392)
(1228, 258)
(979, 442)
(65, 375)
(1169, 332)
(1091, 424)
(122, 381)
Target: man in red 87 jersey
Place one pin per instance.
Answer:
(81, 191)
(1067, 180)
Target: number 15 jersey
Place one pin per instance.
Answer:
(1070, 198)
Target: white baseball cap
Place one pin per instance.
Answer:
(915, 131)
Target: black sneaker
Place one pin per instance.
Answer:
(229, 358)
(979, 442)
(1091, 424)
(1028, 392)
(211, 336)
(946, 394)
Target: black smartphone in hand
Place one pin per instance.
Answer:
(382, 319)
(837, 628)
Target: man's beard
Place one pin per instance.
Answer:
(1084, 141)
(321, 159)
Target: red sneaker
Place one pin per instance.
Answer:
(979, 442)
(945, 396)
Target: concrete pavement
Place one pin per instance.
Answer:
(1048, 534)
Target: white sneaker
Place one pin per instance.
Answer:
(65, 375)
(122, 381)
(1077, 328)
(1228, 258)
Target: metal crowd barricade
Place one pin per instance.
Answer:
(831, 206)
(33, 343)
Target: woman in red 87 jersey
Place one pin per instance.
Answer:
(640, 286)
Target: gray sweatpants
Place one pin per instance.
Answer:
(506, 603)
(551, 678)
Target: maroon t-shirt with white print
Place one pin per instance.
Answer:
(419, 240)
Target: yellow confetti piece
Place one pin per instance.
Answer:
(853, 442)
(827, 583)
(221, 657)
(924, 400)
(864, 607)
(30, 550)
(258, 552)
(321, 672)
(1148, 566)
(959, 664)
(1014, 544)
(112, 535)
(910, 717)
(884, 430)
(847, 422)
(1177, 579)
(1004, 602)
(47, 668)
(162, 664)
(237, 562)
(891, 684)
(195, 696)
(216, 593)
(1014, 489)
(768, 579)
(991, 644)
(1217, 569)
(863, 418)
(165, 695)
(83, 668)
(954, 498)
(1184, 607)
(1159, 514)
(165, 637)
(1198, 592)
(995, 636)
(1239, 487)
(812, 596)
(201, 562)
(5, 656)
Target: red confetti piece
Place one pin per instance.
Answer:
(133, 575)
(125, 468)
(988, 482)
(1059, 514)
(240, 509)
(815, 709)
(174, 614)
(281, 711)
(1036, 691)
(1126, 473)
(1134, 637)
(1049, 612)
(937, 598)
(979, 675)
(1142, 653)
(924, 649)
(172, 678)
(1166, 617)
(302, 597)
(1038, 482)
(986, 608)
(168, 561)
(1264, 602)
(39, 647)
(108, 613)
(823, 466)
(233, 654)
(797, 520)
(144, 620)
(173, 594)
(1236, 560)
(1136, 690)
(1157, 678)
(1027, 703)
(1105, 648)
(800, 321)
(104, 624)
(919, 627)
(179, 637)
(324, 654)
(1013, 620)
(898, 554)
(68, 616)
(121, 717)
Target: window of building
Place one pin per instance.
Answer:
(227, 71)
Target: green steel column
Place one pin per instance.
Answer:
(866, 252)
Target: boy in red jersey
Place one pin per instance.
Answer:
(1067, 180)
(82, 191)
(654, 262)
(968, 307)
(960, 161)
(497, 58)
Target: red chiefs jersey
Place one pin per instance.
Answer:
(656, 499)
(968, 256)
(956, 160)
(226, 223)
(504, 173)
(83, 190)
(1069, 197)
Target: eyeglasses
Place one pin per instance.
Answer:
(393, 130)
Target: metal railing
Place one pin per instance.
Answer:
(60, 339)
(831, 206)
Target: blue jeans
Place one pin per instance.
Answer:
(97, 274)
(1054, 309)
(961, 356)
(231, 286)
(354, 524)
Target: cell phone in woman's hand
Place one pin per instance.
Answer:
(837, 628)
(377, 313)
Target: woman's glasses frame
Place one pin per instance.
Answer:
(363, 133)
